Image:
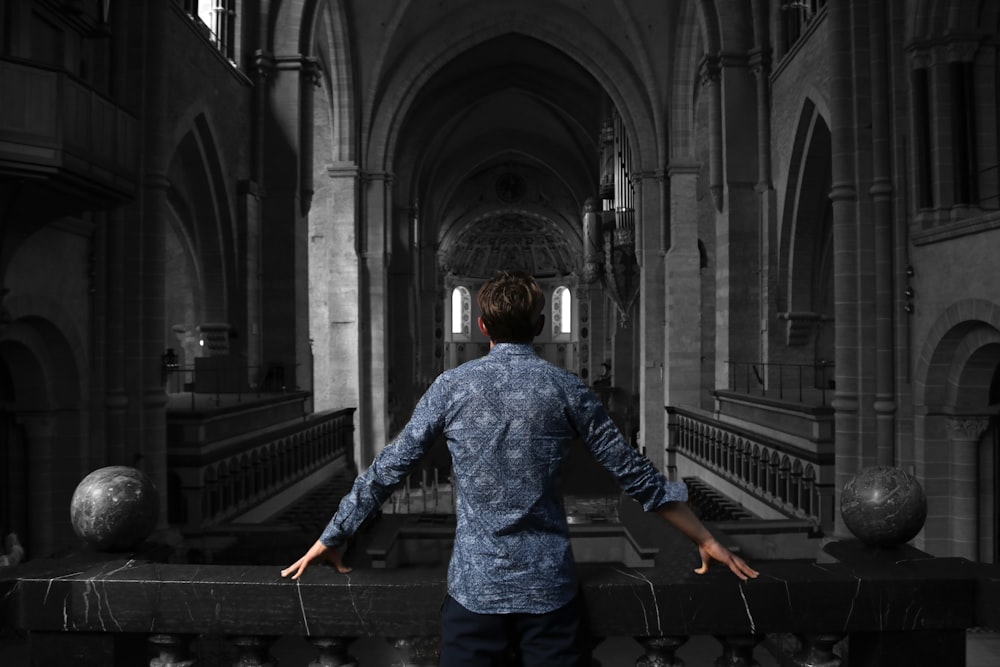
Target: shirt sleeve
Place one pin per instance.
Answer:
(637, 475)
(389, 469)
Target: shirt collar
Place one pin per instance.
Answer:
(512, 348)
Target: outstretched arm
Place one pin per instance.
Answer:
(680, 515)
(317, 551)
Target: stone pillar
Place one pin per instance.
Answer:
(650, 251)
(682, 340)
(372, 408)
(47, 516)
(116, 397)
(881, 192)
(151, 334)
(767, 230)
(333, 293)
(965, 433)
(285, 87)
(737, 235)
(249, 210)
(845, 252)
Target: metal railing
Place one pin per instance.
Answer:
(226, 383)
(800, 383)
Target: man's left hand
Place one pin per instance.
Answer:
(317, 551)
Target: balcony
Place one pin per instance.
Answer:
(57, 132)
(815, 603)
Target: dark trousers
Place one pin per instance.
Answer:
(553, 639)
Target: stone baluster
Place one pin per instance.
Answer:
(172, 651)
(817, 651)
(253, 652)
(417, 651)
(737, 651)
(660, 651)
(333, 652)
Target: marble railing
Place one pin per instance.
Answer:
(852, 605)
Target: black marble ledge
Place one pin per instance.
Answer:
(858, 591)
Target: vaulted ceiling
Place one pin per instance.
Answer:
(499, 152)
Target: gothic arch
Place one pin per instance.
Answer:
(684, 87)
(402, 81)
(332, 48)
(197, 187)
(806, 224)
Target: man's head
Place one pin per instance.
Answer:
(511, 308)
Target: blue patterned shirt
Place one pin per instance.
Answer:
(507, 418)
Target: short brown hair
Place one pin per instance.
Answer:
(510, 304)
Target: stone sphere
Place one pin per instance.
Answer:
(114, 508)
(883, 506)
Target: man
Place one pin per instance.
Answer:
(507, 418)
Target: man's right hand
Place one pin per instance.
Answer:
(713, 550)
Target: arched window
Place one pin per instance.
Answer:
(461, 310)
(562, 311)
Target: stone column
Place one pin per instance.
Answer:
(964, 434)
(333, 294)
(286, 82)
(682, 300)
(47, 516)
(372, 414)
(650, 251)
(881, 192)
(760, 65)
(845, 252)
(111, 348)
(737, 244)
(150, 333)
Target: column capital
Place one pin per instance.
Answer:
(760, 62)
(683, 168)
(968, 428)
(652, 174)
(962, 49)
(372, 176)
(709, 70)
(342, 170)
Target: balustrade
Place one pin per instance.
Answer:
(898, 605)
(259, 466)
(770, 470)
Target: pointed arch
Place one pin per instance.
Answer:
(805, 272)
(564, 30)
(199, 200)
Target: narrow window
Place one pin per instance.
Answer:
(963, 128)
(922, 126)
(461, 310)
(562, 311)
